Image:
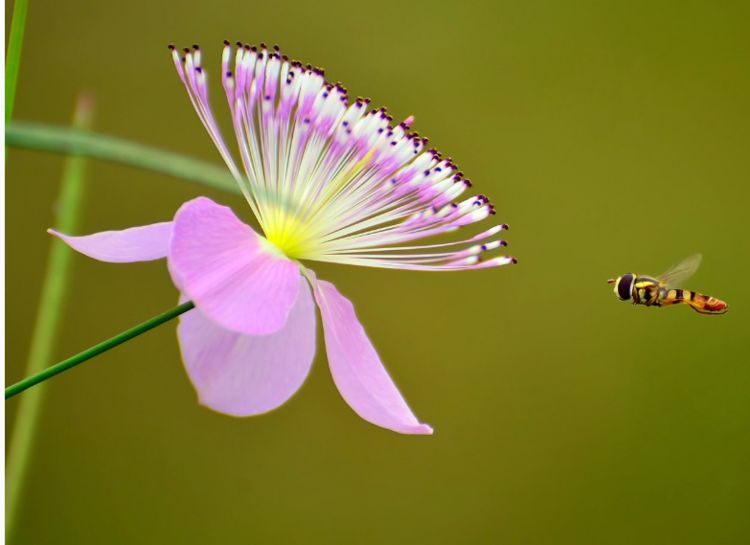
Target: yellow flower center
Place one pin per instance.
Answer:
(288, 233)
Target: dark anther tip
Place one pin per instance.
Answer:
(226, 42)
(503, 243)
(513, 260)
(171, 47)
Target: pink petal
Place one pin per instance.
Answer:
(356, 368)
(145, 243)
(244, 375)
(235, 277)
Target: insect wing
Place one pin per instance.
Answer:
(676, 275)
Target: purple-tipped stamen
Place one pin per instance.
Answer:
(329, 180)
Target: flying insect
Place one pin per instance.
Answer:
(661, 291)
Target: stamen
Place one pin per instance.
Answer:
(329, 180)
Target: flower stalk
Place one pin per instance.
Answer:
(97, 349)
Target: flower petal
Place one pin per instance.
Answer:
(235, 277)
(356, 368)
(145, 243)
(244, 375)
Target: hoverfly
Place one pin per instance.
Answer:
(661, 291)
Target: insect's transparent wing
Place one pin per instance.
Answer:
(677, 274)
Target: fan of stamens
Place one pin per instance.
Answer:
(329, 180)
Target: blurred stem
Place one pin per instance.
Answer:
(24, 134)
(13, 54)
(97, 349)
(46, 327)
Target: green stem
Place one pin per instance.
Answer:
(13, 55)
(46, 326)
(24, 134)
(97, 349)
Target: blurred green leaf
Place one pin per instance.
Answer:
(48, 318)
(38, 136)
(13, 55)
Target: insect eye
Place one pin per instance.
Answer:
(624, 286)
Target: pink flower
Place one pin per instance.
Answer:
(327, 181)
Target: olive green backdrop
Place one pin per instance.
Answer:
(612, 136)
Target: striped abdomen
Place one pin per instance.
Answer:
(699, 302)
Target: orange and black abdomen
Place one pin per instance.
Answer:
(704, 304)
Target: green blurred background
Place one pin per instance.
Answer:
(612, 136)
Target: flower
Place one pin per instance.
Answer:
(327, 180)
